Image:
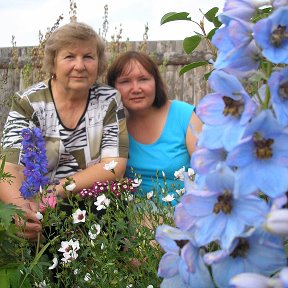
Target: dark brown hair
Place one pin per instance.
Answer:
(120, 66)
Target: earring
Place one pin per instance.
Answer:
(53, 76)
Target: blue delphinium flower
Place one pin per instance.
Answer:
(279, 3)
(225, 112)
(254, 280)
(237, 51)
(278, 83)
(241, 62)
(262, 155)
(182, 264)
(35, 162)
(226, 38)
(271, 34)
(243, 9)
(215, 213)
(204, 160)
(255, 252)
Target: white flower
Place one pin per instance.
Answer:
(168, 198)
(110, 166)
(68, 257)
(69, 248)
(76, 271)
(191, 173)
(94, 231)
(79, 216)
(180, 191)
(149, 195)
(129, 286)
(71, 187)
(39, 216)
(102, 246)
(137, 182)
(150, 286)
(102, 202)
(129, 198)
(55, 263)
(180, 174)
(87, 277)
(41, 284)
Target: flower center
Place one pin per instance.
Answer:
(232, 107)
(241, 249)
(181, 243)
(283, 90)
(263, 146)
(278, 35)
(224, 203)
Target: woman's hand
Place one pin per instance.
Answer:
(29, 225)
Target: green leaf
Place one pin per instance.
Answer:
(6, 213)
(191, 43)
(211, 14)
(191, 66)
(207, 75)
(4, 176)
(217, 23)
(174, 16)
(211, 17)
(4, 280)
(211, 33)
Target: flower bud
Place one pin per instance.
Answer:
(252, 280)
(277, 222)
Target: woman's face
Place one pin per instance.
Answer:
(76, 66)
(136, 86)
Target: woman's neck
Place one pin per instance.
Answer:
(63, 95)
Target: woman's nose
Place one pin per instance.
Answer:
(79, 65)
(136, 87)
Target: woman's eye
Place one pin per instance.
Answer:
(123, 81)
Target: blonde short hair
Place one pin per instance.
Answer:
(65, 36)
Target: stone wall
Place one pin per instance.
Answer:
(169, 55)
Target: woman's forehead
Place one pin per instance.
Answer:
(132, 65)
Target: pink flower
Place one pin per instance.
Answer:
(47, 201)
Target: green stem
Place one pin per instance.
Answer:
(38, 243)
(36, 259)
(267, 94)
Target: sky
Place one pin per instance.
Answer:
(25, 18)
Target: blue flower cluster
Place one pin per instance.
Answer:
(35, 162)
(241, 159)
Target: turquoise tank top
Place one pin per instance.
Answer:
(168, 154)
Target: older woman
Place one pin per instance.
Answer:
(162, 133)
(82, 121)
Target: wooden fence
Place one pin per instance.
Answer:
(169, 55)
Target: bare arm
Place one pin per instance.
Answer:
(86, 178)
(193, 130)
(10, 194)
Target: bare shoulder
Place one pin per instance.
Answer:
(193, 130)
